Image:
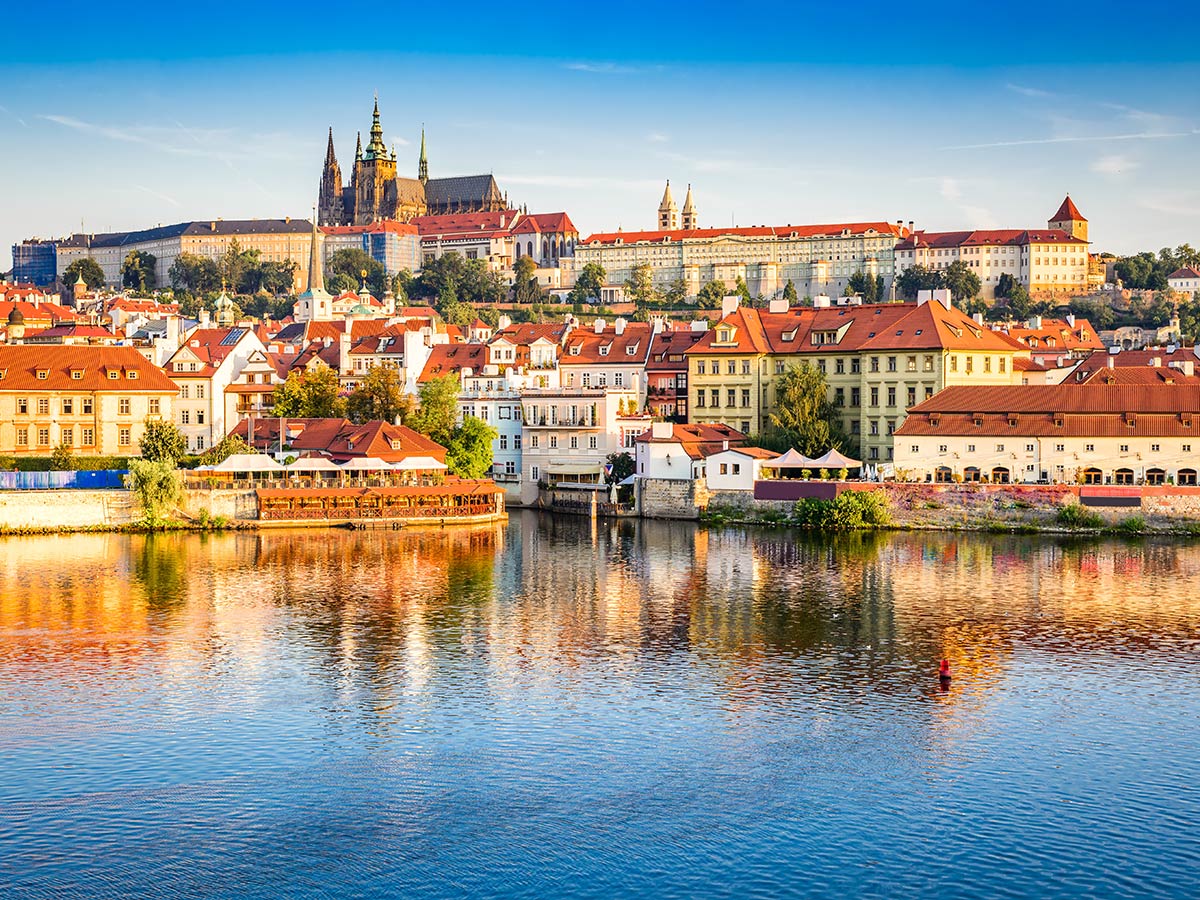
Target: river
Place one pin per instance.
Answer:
(553, 707)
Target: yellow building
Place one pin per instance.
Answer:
(95, 400)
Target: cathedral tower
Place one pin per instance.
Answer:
(1070, 219)
(668, 212)
(330, 210)
(688, 222)
(423, 163)
(375, 176)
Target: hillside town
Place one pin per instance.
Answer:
(578, 367)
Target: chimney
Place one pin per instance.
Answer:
(1156, 362)
(661, 430)
(942, 296)
(1110, 362)
(503, 322)
(700, 325)
(598, 325)
(1187, 367)
(328, 341)
(729, 305)
(978, 317)
(619, 325)
(657, 325)
(822, 301)
(1070, 320)
(1035, 323)
(205, 318)
(778, 305)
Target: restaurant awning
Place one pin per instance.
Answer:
(365, 464)
(573, 469)
(835, 460)
(418, 463)
(793, 459)
(314, 464)
(248, 462)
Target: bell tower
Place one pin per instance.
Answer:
(668, 212)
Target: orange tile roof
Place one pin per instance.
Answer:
(699, 440)
(1135, 359)
(1063, 398)
(1068, 210)
(1058, 334)
(671, 343)
(1185, 272)
(747, 335)
(341, 439)
(20, 364)
(584, 347)
(451, 359)
(990, 237)
(765, 231)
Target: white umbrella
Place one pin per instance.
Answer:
(365, 464)
(314, 464)
(418, 463)
(835, 460)
(248, 462)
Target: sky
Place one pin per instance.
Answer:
(953, 116)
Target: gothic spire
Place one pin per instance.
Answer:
(376, 147)
(423, 161)
(358, 147)
(316, 278)
(330, 157)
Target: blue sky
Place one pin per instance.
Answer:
(951, 116)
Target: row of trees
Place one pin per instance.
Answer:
(957, 277)
(238, 271)
(1148, 271)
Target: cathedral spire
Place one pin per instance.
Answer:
(376, 147)
(358, 147)
(330, 157)
(689, 211)
(668, 212)
(423, 161)
(316, 278)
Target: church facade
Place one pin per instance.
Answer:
(376, 192)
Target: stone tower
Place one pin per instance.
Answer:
(1069, 219)
(688, 220)
(423, 162)
(330, 210)
(374, 177)
(668, 212)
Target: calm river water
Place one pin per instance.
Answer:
(552, 708)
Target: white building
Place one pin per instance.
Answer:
(737, 468)
(1184, 281)
(680, 452)
(208, 362)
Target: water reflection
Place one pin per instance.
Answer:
(651, 683)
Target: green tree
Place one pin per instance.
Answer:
(1005, 284)
(276, 278)
(711, 295)
(961, 281)
(232, 264)
(1019, 304)
(741, 290)
(622, 467)
(469, 448)
(915, 279)
(789, 293)
(675, 295)
(340, 283)
(157, 486)
(137, 271)
(163, 442)
(379, 395)
(230, 445)
(402, 286)
(62, 458)
(438, 410)
(93, 275)
(525, 286)
(194, 273)
(310, 394)
(868, 287)
(804, 415)
(588, 285)
(352, 262)
(639, 286)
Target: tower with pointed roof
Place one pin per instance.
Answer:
(1069, 219)
(668, 212)
(315, 304)
(330, 210)
(423, 162)
(688, 220)
(374, 173)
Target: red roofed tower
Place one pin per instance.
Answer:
(1069, 219)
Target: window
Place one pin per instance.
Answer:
(953, 363)
(746, 397)
(43, 437)
(855, 396)
(970, 448)
(592, 441)
(43, 406)
(914, 449)
(574, 442)
(533, 441)
(839, 397)
(1089, 448)
(731, 367)
(715, 398)
(891, 396)
(942, 448)
(699, 367)
(66, 437)
(1187, 448)
(731, 397)
(22, 406)
(1124, 448)
(1003, 363)
(724, 469)
(700, 398)
(68, 406)
(874, 396)
(123, 406)
(987, 364)
(199, 392)
(999, 448)
(517, 442)
(1029, 448)
(619, 380)
(737, 468)
(970, 364)
(891, 426)
(1154, 448)
(912, 396)
(554, 442)
(1060, 448)
(873, 453)
(855, 366)
(510, 467)
(504, 442)
(928, 363)
(22, 437)
(113, 374)
(184, 391)
(745, 367)
(821, 366)
(77, 374)
(43, 374)
(874, 427)
(840, 366)
(891, 364)
(910, 365)
(874, 363)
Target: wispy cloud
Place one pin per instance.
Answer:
(9, 112)
(610, 68)
(579, 181)
(1079, 139)
(657, 137)
(161, 196)
(1114, 165)
(1026, 91)
(1175, 203)
(954, 190)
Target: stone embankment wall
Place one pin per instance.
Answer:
(238, 505)
(668, 498)
(66, 509)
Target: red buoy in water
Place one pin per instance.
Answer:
(944, 671)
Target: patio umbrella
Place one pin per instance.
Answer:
(418, 463)
(365, 464)
(835, 460)
(248, 462)
(793, 459)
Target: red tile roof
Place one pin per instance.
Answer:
(211, 346)
(466, 225)
(765, 231)
(1185, 272)
(451, 359)
(584, 347)
(341, 439)
(1135, 359)
(1058, 334)
(671, 343)
(390, 225)
(991, 238)
(541, 223)
(745, 329)
(20, 364)
(1068, 211)
(37, 313)
(1138, 375)
(699, 440)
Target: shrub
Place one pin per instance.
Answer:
(824, 475)
(1130, 525)
(62, 459)
(806, 474)
(849, 511)
(843, 474)
(158, 487)
(1075, 516)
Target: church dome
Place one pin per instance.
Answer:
(359, 310)
(15, 317)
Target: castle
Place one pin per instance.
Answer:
(376, 192)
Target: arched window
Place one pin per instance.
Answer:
(1092, 475)
(545, 248)
(943, 475)
(529, 248)
(1155, 476)
(518, 249)
(1000, 475)
(971, 473)
(1123, 476)
(1186, 476)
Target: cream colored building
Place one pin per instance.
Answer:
(276, 240)
(94, 400)
(204, 366)
(1085, 434)
(1050, 262)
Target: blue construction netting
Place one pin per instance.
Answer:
(44, 481)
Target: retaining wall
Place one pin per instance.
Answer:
(22, 510)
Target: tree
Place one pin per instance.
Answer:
(525, 286)
(804, 415)
(379, 395)
(711, 295)
(915, 279)
(741, 290)
(93, 275)
(621, 467)
(588, 285)
(676, 294)
(163, 442)
(137, 271)
(1004, 285)
(62, 458)
(639, 286)
(340, 283)
(868, 287)
(789, 293)
(469, 448)
(228, 446)
(438, 410)
(276, 277)
(194, 273)
(310, 394)
(232, 264)
(961, 281)
(1019, 304)
(158, 487)
(352, 263)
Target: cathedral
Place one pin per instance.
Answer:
(376, 192)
